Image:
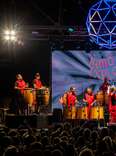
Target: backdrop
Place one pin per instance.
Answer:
(81, 70)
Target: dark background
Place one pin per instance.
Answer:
(32, 58)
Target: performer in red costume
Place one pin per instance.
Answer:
(37, 82)
(71, 97)
(20, 83)
(112, 105)
(89, 99)
(19, 87)
(38, 85)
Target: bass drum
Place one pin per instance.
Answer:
(67, 113)
(97, 113)
(46, 97)
(100, 98)
(74, 112)
(82, 113)
(70, 113)
(43, 95)
(29, 96)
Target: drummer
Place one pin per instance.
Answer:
(112, 105)
(37, 82)
(105, 85)
(89, 98)
(68, 100)
(19, 87)
(37, 85)
(112, 94)
(71, 97)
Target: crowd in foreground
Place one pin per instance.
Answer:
(59, 140)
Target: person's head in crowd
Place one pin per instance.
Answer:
(64, 133)
(47, 152)
(63, 144)
(57, 152)
(67, 126)
(13, 133)
(45, 141)
(70, 150)
(64, 138)
(102, 146)
(36, 146)
(104, 132)
(11, 151)
(28, 139)
(86, 152)
(36, 153)
(56, 141)
(86, 133)
(6, 141)
(80, 141)
(108, 141)
(94, 135)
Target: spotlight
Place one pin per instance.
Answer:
(13, 38)
(7, 32)
(10, 35)
(7, 37)
(13, 32)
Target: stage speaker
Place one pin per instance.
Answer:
(57, 115)
(34, 121)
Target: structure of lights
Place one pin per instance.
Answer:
(10, 35)
(101, 23)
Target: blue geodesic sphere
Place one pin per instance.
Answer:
(101, 23)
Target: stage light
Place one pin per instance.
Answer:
(71, 30)
(13, 38)
(13, 32)
(7, 37)
(10, 35)
(101, 23)
(7, 32)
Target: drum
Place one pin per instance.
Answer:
(29, 96)
(97, 113)
(70, 113)
(74, 112)
(46, 97)
(67, 113)
(43, 94)
(100, 98)
(41, 91)
(82, 113)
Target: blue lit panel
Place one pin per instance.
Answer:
(82, 70)
(101, 23)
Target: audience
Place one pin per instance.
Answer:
(59, 140)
